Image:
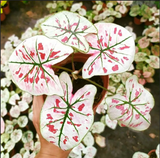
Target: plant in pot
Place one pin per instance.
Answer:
(155, 153)
(140, 13)
(73, 49)
(5, 7)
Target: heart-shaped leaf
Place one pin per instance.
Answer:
(30, 65)
(112, 50)
(131, 110)
(69, 28)
(66, 120)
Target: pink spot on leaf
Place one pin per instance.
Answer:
(80, 108)
(105, 70)
(90, 71)
(49, 116)
(17, 72)
(40, 46)
(84, 28)
(57, 102)
(75, 138)
(115, 30)
(125, 58)
(88, 93)
(125, 47)
(115, 101)
(115, 68)
(120, 33)
(52, 129)
(64, 141)
(20, 75)
(137, 116)
(64, 39)
(42, 55)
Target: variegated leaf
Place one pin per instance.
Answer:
(131, 110)
(69, 28)
(66, 120)
(30, 65)
(112, 50)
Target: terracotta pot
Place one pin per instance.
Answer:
(3, 16)
(137, 21)
(6, 8)
(79, 57)
(149, 22)
(152, 151)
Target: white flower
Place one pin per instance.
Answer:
(15, 111)
(16, 135)
(110, 123)
(23, 105)
(109, 4)
(90, 152)
(97, 127)
(76, 6)
(3, 109)
(15, 40)
(13, 99)
(28, 33)
(88, 139)
(8, 45)
(5, 82)
(9, 145)
(8, 73)
(27, 97)
(4, 95)
(101, 109)
(82, 11)
(29, 145)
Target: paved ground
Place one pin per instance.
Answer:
(122, 142)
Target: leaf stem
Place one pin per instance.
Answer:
(62, 68)
(95, 84)
(73, 68)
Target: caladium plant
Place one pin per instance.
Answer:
(31, 62)
(132, 109)
(112, 50)
(69, 28)
(67, 118)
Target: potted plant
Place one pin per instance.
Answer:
(140, 13)
(67, 116)
(5, 7)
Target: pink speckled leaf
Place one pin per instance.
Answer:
(66, 120)
(30, 65)
(69, 28)
(112, 50)
(131, 110)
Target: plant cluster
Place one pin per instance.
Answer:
(123, 103)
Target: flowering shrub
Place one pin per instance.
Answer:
(31, 58)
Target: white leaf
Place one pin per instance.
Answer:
(16, 135)
(88, 139)
(13, 99)
(110, 123)
(97, 127)
(22, 121)
(90, 152)
(23, 105)
(4, 95)
(158, 151)
(15, 111)
(9, 145)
